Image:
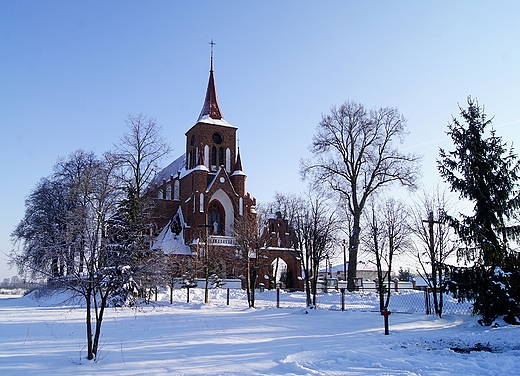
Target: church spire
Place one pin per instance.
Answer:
(238, 164)
(211, 107)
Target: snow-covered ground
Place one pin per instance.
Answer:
(45, 336)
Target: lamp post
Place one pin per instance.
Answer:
(344, 260)
(327, 273)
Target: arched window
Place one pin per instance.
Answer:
(201, 203)
(176, 190)
(213, 158)
(221, 156)
(168, 192)
(192, 153)
(206, 156)
(160, 194)
(228, 160)
(216, 218)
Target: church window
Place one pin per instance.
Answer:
(221, 156)
(213, 158)
(176, 190)
(206, 156)
(217, 138)
(192, 153)
(241, 206)
(216, 219)
(228, 160)
(201, 203)
(168, 192)
(160, 194)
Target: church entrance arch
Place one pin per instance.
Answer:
(227, 212)
(289, 269)
(279, 271)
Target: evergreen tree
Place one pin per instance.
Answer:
(484, 172)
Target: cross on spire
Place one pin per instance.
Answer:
(210, 107)
(212, 44)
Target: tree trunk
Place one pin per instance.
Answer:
(352, 254)
(90, 353)
(99, 320)
(254, 276)
(248, 280)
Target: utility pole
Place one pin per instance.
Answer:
(433, 260)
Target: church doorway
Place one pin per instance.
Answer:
(279, 271)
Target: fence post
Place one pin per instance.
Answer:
(187, 294)
(227, 298)
(385, 312)
(427, 301)
(342, 299)
(277, 297)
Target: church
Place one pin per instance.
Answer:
(198, 198)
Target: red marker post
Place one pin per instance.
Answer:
(385, 312)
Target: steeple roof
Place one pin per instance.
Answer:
(211, 108)
(238, 164)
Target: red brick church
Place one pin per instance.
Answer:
(204, 191)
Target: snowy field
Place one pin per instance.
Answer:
(46, 336)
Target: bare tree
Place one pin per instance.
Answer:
(388, 234)
(210, 260)
(315, 225)
(436, 242)
(89, 265)
(103, 275)
(38, 239)
(140, 150)
(355, 156)
(174, 270)
(247, 234)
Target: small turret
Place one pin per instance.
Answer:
(238, 178)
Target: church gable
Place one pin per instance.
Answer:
(221, 181)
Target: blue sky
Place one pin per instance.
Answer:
(72, 71)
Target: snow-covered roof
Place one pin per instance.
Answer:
(171, 243)
(208, 120)
(171, 170)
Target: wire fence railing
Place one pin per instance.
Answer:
(405, 301)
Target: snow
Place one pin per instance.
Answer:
(172, 169)
(209, 120)
(46, 335)
(171, 243)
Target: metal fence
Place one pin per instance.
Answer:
(405, 301)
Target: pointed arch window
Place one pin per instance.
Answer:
(221, 156)
(206, 156)
(176, 190)
(192, 153)
(228, 160)
(213, 158)
(168, 192)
